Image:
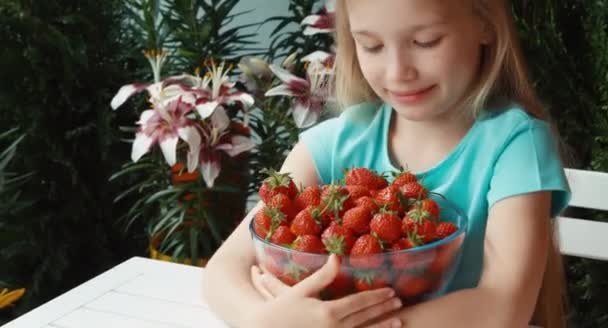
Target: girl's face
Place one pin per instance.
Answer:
(420, 56)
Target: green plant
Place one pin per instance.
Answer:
(193, 42)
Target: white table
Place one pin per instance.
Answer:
(138, 293)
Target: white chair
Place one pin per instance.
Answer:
(580, 237)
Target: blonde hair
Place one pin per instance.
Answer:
(503, 77)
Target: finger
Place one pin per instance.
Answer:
(256, 279)
(389, 323)
(375, 312)
(273, 285)
(321, 278)
(354, 303)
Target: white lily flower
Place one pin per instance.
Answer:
(216, 138)
(323, 21)
(310, 94)
(165, 126)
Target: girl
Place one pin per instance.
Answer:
(440, 87)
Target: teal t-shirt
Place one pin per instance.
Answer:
(504, 153)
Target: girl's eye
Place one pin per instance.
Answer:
(429, 44)
(373, 49)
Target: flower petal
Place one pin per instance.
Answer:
(191, 136)
(239, 144)
(285, 75)
(281, 90)
(210, 169)
(220, 119)
(125, 92)
(168, 145)
(206, 109)
(141, 145)
(243, 97)
(311, 19)
(313, 30)
(304, 116)
(318, 55)
(146, 116)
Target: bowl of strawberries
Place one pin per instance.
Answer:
(387, 234)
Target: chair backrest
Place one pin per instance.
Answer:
(580, 237)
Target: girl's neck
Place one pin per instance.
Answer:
(421, 145)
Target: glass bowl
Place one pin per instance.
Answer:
(416, 274)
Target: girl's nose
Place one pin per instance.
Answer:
(401, 68)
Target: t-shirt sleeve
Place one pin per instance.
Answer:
(320, 140)
(530, 162)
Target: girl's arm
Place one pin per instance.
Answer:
(515, 255)
(227, 285)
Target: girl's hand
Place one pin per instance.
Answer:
(298, 306)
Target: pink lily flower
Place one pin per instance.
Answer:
(165, 126)
(323, 21)
(310, 94)
(216, 138)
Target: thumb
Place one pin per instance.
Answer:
(320, 279)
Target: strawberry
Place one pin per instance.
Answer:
(386, 226)
(338, 239)
(410, 286)
(389, 198)
(368, 202)
(307, 222)
(340, 286)
(444, 255)
(310, 196)
(364, 177)
(403, 178)
(357, 219)
(355, 192)
(293, 273)
(309, 244)
(266, 220)
(369, 280)
(445, 229)
(333, 198)
(430, 206)
(282, 236)
(399, 259)
(284, 204)
(414, 190)
(277, 183)
(424, 230)
(366, 253)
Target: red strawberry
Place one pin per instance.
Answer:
(430, 206)
(310, 196)
(366, 253)
(399, 259)
(333, 198)
(355, 192)
(368, 202)
(307, 222)
(386, 226)
(341, 286)
(444, 255)
(403, 178)
(445, 229)
(284, 204)
(266, 220)
(414, 190)
(338, 239)
(423, 231)
(364, 177)
(293, 273)
(282, 236)
(357, 219)
(369, 280)
(389, 199)
(277, 183)
(309, 244)
(410, 286)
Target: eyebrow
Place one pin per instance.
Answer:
(414, 28)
